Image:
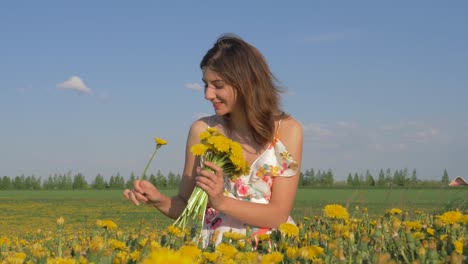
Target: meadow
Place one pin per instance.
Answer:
(24, 212)
(333, 226)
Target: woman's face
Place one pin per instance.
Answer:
(218, 92)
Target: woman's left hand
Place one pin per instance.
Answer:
(212, 183)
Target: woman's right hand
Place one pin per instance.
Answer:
(143, 191)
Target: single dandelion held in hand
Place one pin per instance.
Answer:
(159, 143)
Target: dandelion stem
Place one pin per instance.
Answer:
(150, 160)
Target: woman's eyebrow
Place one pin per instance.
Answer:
(214, 81)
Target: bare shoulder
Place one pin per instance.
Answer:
(290, 127)
(202, 123)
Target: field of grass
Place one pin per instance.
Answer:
(23, 212)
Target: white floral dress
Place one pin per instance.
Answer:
(275, 161)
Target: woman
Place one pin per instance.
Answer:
(245, 98)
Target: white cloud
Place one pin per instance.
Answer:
(194, 86)
(74, 83)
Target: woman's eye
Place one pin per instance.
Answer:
(219, 86)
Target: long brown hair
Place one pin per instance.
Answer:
(244, 68)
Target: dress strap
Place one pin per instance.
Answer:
(277, 129)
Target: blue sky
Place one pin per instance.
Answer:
(85, 86)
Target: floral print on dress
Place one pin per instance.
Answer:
(274, 162)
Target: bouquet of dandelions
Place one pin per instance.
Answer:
(222, 151)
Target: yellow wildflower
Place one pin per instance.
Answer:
(289, 230)
(220, 143)
(451, 217)
(204, 135)
(175, 231)
(413, 225)
(198, 149)
(121, 258)
(292, 252)
(458, 246)
(273, 257)
(60, 221)
(190, 251)
(430, 231)
(167, 255)
(106, 224)
(419, 235)
(210, 256)
(336, 211)
(246, 257)
(135, 255)
(117, 245)
(160, 142)
(465, 219)
(310, 252)
(395, 211)
(234, 236)
(226, 250)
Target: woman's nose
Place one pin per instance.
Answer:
(209, 93)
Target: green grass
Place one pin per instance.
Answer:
(27, 211)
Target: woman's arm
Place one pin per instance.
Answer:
(283, 188)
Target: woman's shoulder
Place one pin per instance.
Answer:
(203, 123)
(289, 126)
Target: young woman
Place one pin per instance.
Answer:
(246, 102)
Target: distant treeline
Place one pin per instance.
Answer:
(308, 178)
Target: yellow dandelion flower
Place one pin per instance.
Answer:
(190, 251)
(60, 221)
(288, 229)
(204, 135)
(292, 252)
(96, 244)
(167, 255)
(419, 235)
(175, 231)
(234, 236)
(198, 149)
(430, 231)
(235, 149)
(443, 237)
(120, 258)
(226, 250)
(263, 237)
(314, 235)
(246, 257)
(210, 256)
(465, 219)
(458, 246)
(451, 217)
(135, 255)
(413, 225)
(220, 143)
(336, 211)
(212, 131)
(160, 141)
(117, 245)
(311, 252)
(106, 224)
(306, 218)
(395, 211)
(273, 257)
